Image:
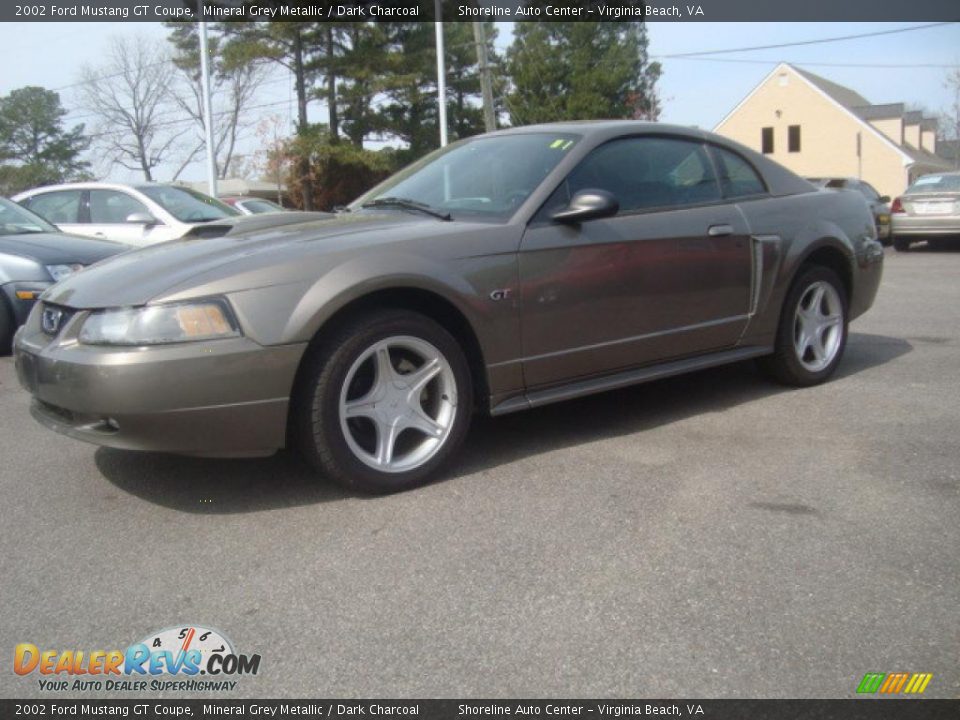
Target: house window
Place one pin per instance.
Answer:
(793, 138)
(766, 138)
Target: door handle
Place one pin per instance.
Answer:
(719, 230)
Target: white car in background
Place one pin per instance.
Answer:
(138, 214)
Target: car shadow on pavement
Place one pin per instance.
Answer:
(211, 486)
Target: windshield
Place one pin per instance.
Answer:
(935, 184)
(488, 177)
(17, 220)
(261, 206)
(187, 205)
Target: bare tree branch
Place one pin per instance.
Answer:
(130, 97)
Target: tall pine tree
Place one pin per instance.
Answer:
(581, 71)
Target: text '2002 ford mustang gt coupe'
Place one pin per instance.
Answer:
(500, 273)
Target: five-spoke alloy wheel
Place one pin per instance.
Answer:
(398, 403)
(818, 326)
(384, 401)
(813, 329)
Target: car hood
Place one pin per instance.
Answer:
(246, 257)
(59, 248)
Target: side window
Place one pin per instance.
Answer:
(737, 177)
(644, 172)
(59, 207)
(113, 207)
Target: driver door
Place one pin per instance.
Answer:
(668, 276)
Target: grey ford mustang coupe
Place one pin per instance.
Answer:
(500, 273)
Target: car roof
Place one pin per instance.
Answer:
(779, 180)
(94, 186)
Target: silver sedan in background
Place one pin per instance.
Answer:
(928, 210)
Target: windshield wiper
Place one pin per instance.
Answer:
(408, 204)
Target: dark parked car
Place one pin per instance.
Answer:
(33, 256)
(503, 272)
(928, 210)
(879, 204)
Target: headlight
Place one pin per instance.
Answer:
(160, 324)
(59, 272)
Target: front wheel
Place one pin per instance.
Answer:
(813, 329)
(384, 402)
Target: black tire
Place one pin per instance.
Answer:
(785, 365)
(317, 395)
(7, 327)
(901, 244)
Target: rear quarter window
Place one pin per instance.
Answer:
(737, 176)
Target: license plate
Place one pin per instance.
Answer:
(27, 371)
(932, 208)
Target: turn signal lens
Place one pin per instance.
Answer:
(200, 321)
(28, 294)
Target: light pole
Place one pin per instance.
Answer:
(441, 73)
(207, 113)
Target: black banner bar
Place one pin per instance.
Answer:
(857, 709)
(468, 10)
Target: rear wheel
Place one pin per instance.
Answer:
(813, 329)
(901, 244)
(384, 402)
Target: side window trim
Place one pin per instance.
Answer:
(83, 211)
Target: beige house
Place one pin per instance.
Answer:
(820, 129)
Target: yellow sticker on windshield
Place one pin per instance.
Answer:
(561, 144)
(556, 143)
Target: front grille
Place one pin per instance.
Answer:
(53, 318)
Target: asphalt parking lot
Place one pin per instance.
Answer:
(707, 536)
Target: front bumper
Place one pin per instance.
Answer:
(224, 398)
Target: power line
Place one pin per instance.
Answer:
(879, 66)
(798, 43)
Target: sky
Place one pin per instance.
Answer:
(696, 92)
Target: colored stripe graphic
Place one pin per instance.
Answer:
(918, 683)
(893, 683)
(870, 683)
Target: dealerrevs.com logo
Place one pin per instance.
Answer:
(187, 658)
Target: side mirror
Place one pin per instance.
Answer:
(141, 218)
(588, 205)
(884, 198)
